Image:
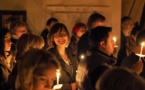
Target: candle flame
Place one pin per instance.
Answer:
(114, 38)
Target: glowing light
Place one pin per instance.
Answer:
(140, 54)
(82, 56)
(114, 39)
(57, 75)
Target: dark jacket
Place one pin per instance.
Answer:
(67, 77)
(132, 59)
(44, 35)
(4, 72)
(90, 69)
(83, 45)
(73, 45)
(121, 55)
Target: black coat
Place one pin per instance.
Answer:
(90, 69)
(66, 77)
(83, 45)
(44, 35)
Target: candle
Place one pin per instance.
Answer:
(114, 38)
(57, 75)
(82, 56)
(142, 45)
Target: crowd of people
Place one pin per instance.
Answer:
(84, 58)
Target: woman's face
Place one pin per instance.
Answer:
(81, 31)
(7, 42)
(61, 39)
(44, 79)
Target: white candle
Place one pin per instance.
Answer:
(57, 75)
(114, 38)
(142, 45)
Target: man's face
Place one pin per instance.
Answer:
(127, 27)
(108, 47)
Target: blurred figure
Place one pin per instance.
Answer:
(50, 22)
(5, 46)
(84, 44)
(129, 46)
(126, 28)
(17, 29)
(78, 30)
(25, 43)
(37, 70)
(59, 39)
(134, 57)
(100, 59)
(120, 79)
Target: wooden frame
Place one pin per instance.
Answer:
(7, 17)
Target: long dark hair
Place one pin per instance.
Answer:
(3, 32)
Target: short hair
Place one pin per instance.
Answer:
(34, 61)
(98, 34)
(120, 79)
(49, 21)
(26, 42)
(16, 24)
(94, 18)
(125, 18)
(58, 27)
(77, 27)
(3, 32)
(140, 37)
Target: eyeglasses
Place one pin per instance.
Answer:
(60, 35)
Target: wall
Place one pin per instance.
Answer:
(37, 11)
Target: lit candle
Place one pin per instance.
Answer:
(57, 75)
(114, 39)
(142, 45)
(82, 56)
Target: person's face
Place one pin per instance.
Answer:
(20, 31)
(44, 80)
(127, 27)
(61, 39)
(81, 31)
(7, 42)
(109, 45)
(99, 23)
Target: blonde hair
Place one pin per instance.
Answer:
(26, 42)
(32, 62)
